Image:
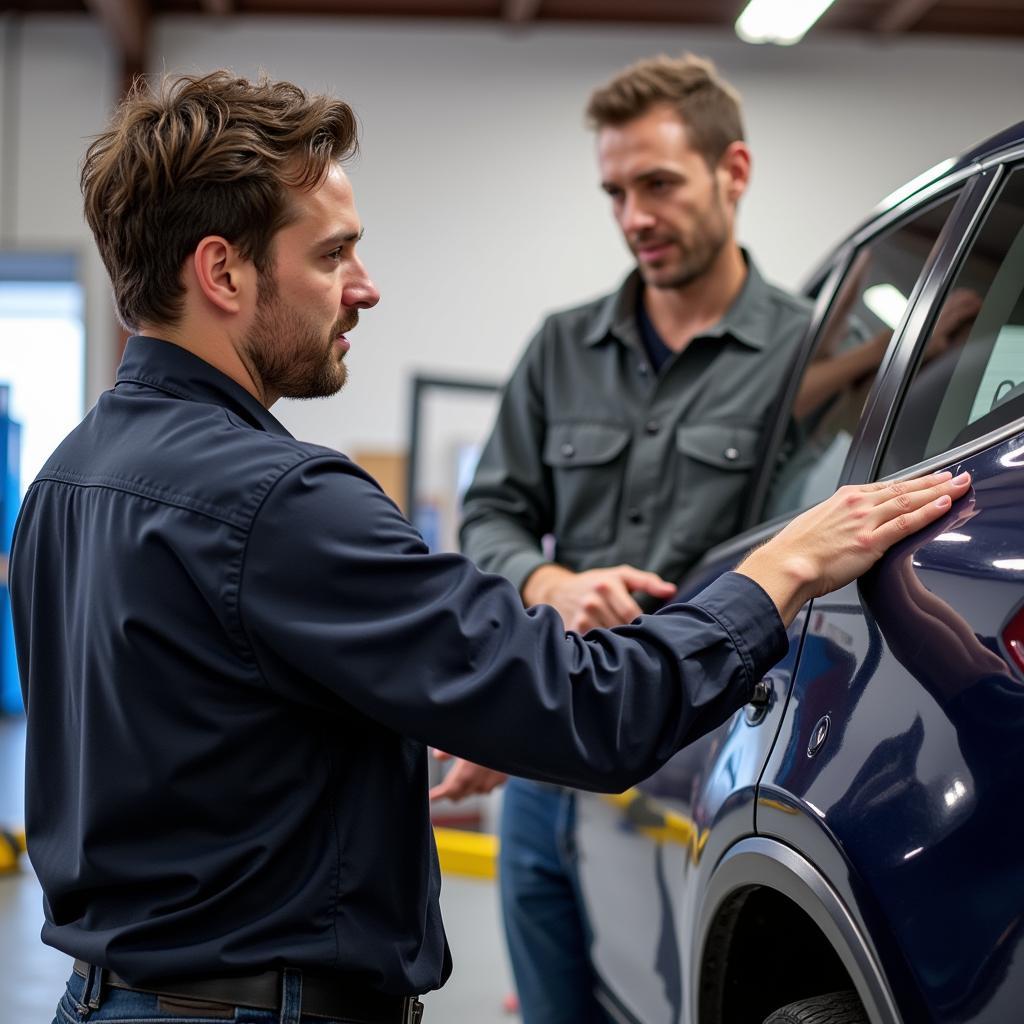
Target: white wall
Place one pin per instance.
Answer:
(476, 182)
(58, 78)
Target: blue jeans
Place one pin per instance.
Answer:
(119, 1005)
(541, 904)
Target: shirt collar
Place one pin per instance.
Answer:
(173, 369)
(617, 315)
(748, 319)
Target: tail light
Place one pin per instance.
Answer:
(1013, 639)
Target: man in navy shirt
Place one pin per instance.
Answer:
(233, 646)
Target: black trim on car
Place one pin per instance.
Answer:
(762, 862)
(906, 210)
(886, 397)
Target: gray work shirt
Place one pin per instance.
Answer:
(621, 464)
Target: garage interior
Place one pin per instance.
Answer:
(477, 186)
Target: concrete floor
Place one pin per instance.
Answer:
(32, 975)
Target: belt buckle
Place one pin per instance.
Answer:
(413, 1011)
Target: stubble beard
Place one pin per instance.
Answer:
(709, 237)
(288, 355)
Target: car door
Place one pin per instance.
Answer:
(896, 770)
(642, 854)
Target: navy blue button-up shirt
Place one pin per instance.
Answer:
(234, 648)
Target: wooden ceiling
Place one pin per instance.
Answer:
(999, 18)
(128, 20)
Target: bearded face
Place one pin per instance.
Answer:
(675, 253)
(292, 354)
(308, 296)
(675, 209)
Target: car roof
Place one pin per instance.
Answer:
(1008, 139)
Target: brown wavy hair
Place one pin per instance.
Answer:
(708, 106)
(202, 155)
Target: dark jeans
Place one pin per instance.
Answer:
(123, 1007)
(545, 923)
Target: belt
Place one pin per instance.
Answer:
(321, 997)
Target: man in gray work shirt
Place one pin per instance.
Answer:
(628, 432)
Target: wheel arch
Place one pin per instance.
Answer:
(765, 873)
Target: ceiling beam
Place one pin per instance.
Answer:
(903, 15)
(519, 11)
(127, 21)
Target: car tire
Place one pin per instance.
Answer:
(833, 1008)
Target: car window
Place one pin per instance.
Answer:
(969, 373)
(868, 305)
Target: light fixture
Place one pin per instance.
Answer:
(779, 21)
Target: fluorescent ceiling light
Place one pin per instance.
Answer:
(887, 302)
(779, 21)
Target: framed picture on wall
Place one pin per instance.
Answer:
(450, 420)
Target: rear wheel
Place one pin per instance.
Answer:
(833, 1008)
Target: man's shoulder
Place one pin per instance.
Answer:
(578, 322)
(585, 310)
(789, 301)
(787, 315)
(189, 454)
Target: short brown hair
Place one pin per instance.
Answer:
(708, 106)
(202, 155)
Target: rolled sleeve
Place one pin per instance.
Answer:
(750, 618)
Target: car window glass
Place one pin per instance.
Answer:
(969, 375)
(868, 305)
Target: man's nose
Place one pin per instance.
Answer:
(361, 292)
(633, 216)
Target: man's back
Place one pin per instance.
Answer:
(219, 794)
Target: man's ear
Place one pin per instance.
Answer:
(224, 278)
(733, 171)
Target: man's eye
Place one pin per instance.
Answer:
(336, 254)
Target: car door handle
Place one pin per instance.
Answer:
(760, 701)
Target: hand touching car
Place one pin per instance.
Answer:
(821, 550)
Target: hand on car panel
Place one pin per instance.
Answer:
(833, 543)
(595, 598)
(820, 551)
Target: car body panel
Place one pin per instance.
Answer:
(917, 782)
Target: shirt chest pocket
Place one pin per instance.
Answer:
(713, 469)
(586, 461)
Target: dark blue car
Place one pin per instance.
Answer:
(850, 846)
